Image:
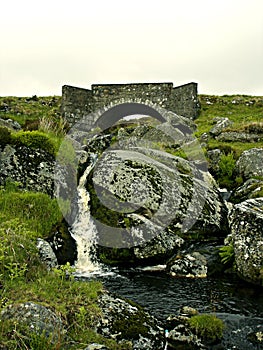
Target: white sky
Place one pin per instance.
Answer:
(46, 44)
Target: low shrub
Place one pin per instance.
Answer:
(34, 139)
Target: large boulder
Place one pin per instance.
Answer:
(150, 201)
(250, 163)
(247, 236)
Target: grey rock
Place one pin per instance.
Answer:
(247, 236)
(95, 346)
(214, 157)
(252, 188)
(46, 253)
(192, 265)
(124, 321)
(233, 136)
(221, 124)
(182, 338)
(250, 163)
(163, 193)
(33, 169)
(9, 123)
(37, 317)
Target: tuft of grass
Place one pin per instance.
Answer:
(208, 327)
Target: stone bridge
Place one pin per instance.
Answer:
(95, 106)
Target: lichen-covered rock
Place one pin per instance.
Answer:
(234, 136)
(252, 188)
(247, 236)
(33, 169)
(250, 163)
(192, 265)
(214, 156)
(221, 124)
(9, 123)
(123, 320)
(155, 195)
(37, 318)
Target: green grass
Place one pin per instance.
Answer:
(25, 110)
(36, 211)
(240, 109)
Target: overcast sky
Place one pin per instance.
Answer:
(46, 44)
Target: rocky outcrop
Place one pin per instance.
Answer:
(250, 163)
(247, 238)
(123, 320)
(31, 169)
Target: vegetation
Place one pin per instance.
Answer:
(227, 254)
(23, 277)
(208, 327)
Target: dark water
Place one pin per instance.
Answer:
(239, 304)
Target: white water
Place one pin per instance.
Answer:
(84, 231)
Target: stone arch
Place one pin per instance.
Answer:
(119, 109)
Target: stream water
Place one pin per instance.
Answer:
(237, 303)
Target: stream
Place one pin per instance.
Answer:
(238, 304)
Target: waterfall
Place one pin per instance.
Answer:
(84, 231)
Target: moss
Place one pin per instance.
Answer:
(132, 326)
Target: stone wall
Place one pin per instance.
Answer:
(79, 102)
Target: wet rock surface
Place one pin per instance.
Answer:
(126, 321)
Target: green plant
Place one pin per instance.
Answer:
(57, 125)
(5, 136)
(227, 165)
(34, 139)
(227, 254)
(16, 270)
(208, 327)
(65, 272)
